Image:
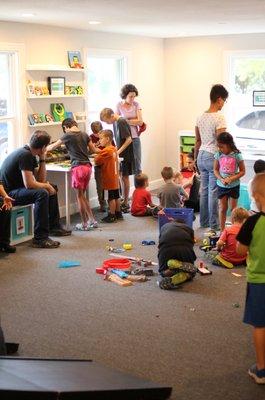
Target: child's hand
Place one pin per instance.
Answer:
(223, 181)
(228, 180)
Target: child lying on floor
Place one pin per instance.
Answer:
(176, 254)
(228, 257)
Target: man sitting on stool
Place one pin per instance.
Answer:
(24, 178)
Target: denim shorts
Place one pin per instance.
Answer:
(229, 192)
(255, 305)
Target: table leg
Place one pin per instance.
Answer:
(67, 201)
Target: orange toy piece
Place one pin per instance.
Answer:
(116, 279)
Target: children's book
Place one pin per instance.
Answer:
(74, 59)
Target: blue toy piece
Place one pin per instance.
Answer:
(148, 242)
(68, 264)
(120, 273)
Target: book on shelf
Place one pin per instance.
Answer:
(40, 118)
(74, 59)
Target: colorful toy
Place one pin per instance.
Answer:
(121, 264)
(116, 279)
(148, 242)
(127, 246)
(203, 270)
(138, 260)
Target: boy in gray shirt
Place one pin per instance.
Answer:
(170, 195)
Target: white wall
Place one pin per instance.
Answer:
(192, 66)
(49, 45)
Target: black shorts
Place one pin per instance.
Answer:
(113, 194)
(127, 168)
(229, 192)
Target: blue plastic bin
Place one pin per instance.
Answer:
(244, 199)
(185, 214)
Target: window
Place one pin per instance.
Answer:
(247, 123)
(9, 94)
(107, 73)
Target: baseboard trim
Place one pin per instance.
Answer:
(155, 184)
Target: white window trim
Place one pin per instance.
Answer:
(20, 94)
(110, 53)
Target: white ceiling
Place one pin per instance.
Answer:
(157, 18)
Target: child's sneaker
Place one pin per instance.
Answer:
(82, 227)
(125, 208)
(109, 218)
(174, 282)
(93, 224)
(257, 374)
(118, 215)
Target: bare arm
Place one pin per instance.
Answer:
(241, 249)
(54, 145)
(92, 148)
(216, 171)
(198, 142)
(136, 121)
(30, 182)
(127, 142)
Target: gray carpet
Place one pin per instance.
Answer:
(192, 339)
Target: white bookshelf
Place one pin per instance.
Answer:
(43, 97)
(53, 68)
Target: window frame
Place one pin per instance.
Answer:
(124, 55)
(17, 117)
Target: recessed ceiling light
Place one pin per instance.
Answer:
(94, 22)
(27, 15)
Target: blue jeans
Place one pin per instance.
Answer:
(46, 209)
(208, 197)
(137, 155)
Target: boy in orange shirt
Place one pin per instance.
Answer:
(108, 159)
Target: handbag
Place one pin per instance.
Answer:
(142, 128)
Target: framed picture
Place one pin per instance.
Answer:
(56, 86)
(258, 98)
(74, 59)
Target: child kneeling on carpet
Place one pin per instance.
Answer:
(251, 240)
(142, 204)
(108, 159)
(227, 242)
(176, 254)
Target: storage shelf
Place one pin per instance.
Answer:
(52, 124)
(53, 96)
(51, 68)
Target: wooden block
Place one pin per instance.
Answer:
(116, 279)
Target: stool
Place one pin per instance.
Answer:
(22, 224)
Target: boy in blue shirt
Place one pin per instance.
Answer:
(251, 240)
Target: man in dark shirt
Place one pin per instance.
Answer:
(123, 138)
(25, 181)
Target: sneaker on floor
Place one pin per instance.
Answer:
(257, 374)
(182, 266)
(82, 227)
(93, 225)
(7, 248)
(118, 215)
(45, 243)
(175, 281)
(60, 232)
(109, 218)
(125, 208)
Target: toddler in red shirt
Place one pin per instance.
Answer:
(141, 199)
(228, 257)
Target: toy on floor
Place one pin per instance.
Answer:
(127, 246)
(203, 269)
(182, 272)
(137, 260)
(68, 264)
(148, 242)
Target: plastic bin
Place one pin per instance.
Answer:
(244, 199)
(184, 214)
(187, 148)
(21, 223)
(188, 140)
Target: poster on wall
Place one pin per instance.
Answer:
(258, 98)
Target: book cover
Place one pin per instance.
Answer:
(74, 59)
